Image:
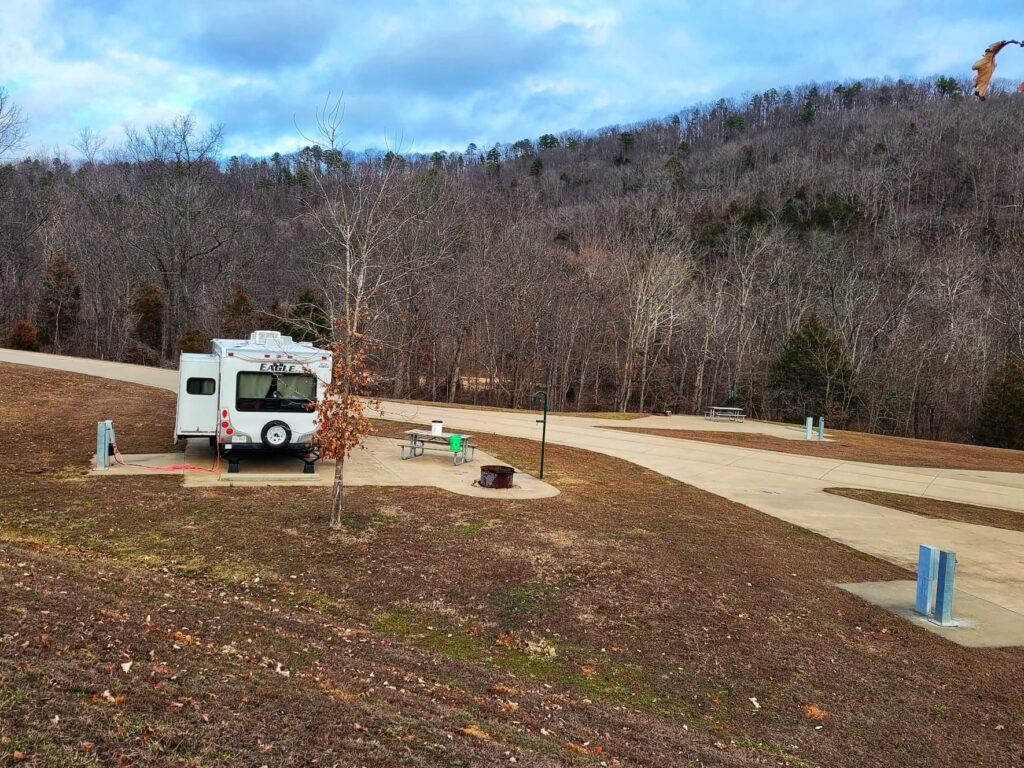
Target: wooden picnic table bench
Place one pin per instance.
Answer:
(421, 440)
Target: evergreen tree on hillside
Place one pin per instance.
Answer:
(548, 141)
(1001, 420)
(493, 159)
(236, 316)
(674, 167)
(60, 303)
(807, 114)
(149, 310)
(194, 341)
(948, 86)
(812, 375)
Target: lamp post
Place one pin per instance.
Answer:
(544, 428)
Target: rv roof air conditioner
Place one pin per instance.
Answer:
(265, 338)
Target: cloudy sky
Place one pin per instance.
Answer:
(441, 73)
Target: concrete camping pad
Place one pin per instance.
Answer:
(377, 463)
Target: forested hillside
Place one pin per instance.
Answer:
(856, 250)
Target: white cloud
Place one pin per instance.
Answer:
(454, 71)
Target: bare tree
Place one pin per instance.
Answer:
(12, 124)
(183, 220)
(89, 144)
(358, 214)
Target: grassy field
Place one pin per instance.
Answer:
(632, 620)
(861, 446)
(937, 508)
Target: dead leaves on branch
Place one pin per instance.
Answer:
(341, 413)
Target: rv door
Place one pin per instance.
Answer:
(198, 395)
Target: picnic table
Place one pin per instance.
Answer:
(421, 440)
(716, 412)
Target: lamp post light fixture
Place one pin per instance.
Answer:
(544, 428)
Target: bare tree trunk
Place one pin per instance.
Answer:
(338, 495)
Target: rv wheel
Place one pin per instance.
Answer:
(276, 434)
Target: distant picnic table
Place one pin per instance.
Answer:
(718, 412)
(421, 440)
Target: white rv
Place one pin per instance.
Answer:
(255, 394)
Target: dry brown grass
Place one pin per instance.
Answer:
(628, 621)
(944, 510)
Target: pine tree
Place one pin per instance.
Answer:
(1001, 419)
(806, 115)
(60, 303)
(494, 159)
(522, 148)
(548, 141)
(149, 309)
(812, 375)
(674, 167)
(948, 87)
(194, 341)
(236, 316)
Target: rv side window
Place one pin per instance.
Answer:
(200, 386)
(265, 391)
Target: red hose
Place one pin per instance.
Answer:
(172, 468)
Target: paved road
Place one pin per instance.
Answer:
(991, 561)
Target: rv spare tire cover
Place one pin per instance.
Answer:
(276, 434)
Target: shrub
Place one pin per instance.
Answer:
(23, 336)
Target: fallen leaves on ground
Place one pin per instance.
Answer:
(352, 632)
(814, 712)
(476, 732)
(504, 690)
